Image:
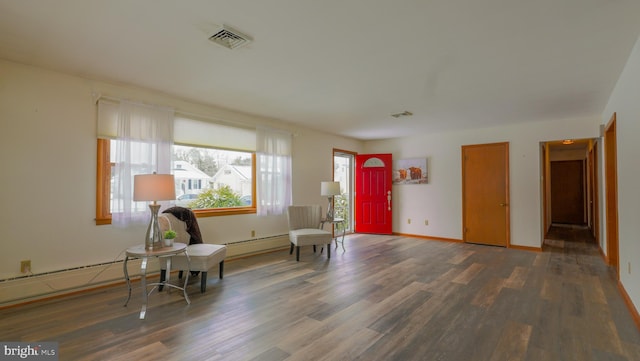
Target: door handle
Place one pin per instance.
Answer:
(503, 204)
(389, 200)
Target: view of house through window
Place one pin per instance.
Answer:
(205, 178)
(212, 178)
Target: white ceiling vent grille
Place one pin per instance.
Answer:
(230, 38)
(403, 114)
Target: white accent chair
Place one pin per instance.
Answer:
(305, 224)
(202, 256)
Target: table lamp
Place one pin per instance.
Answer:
(153, 187)
(330, 189)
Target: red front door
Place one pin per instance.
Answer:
(373, 194)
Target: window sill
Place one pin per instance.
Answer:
(103, 221)
(200, 213)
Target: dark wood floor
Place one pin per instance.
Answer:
(385, 298)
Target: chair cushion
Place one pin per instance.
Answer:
(309, 236)
(202, 256)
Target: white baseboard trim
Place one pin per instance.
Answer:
(40, 286)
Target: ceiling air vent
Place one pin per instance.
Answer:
(230, 38)
(403, 114)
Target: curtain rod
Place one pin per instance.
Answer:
(98, 96)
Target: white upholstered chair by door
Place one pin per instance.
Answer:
(304, 229)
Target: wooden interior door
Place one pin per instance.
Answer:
(373, 213)
(485, 194)
(567, 192)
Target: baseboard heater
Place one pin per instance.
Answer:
(256, 245)
(22, 289)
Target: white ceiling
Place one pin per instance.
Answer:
(346, 65)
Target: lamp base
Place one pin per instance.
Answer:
(153, 239)
(329, 216)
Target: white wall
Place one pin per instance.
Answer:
(48, 154)
(48, 157)
(572, 154)
(440, 201)
(624, 102)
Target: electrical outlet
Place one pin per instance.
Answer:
(408, 220)
(426, 222)
(253, 233)
(25, 266)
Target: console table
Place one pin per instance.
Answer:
(336, 222)
(141, 253)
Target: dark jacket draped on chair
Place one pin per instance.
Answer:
(189, 218)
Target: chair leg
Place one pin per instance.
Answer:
(221, 268)
(314, 248)
(297, 253)
(163, 276)
(180, 275)
(291, 249)
(329, 251)
(203, 282)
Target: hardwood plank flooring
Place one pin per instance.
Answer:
(385, 298)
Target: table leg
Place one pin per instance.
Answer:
(168, 274)
(126, 277)
(344, 229)
(143, 282)
(186, 279)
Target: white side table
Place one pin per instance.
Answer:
(336, 222)
(140, 252)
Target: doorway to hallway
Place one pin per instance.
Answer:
(569, 184)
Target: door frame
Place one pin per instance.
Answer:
(611, 194)
(591, 192)
(594, 193)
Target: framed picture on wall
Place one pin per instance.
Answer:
(410, 171)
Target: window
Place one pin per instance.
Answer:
(103, 183)
(209, 178)
(213, 164)
(343, 165)
(209, 181)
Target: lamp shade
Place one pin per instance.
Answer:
(154, 187)
(330, 189)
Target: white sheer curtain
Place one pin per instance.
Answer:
(143, 146)
(273, 183)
